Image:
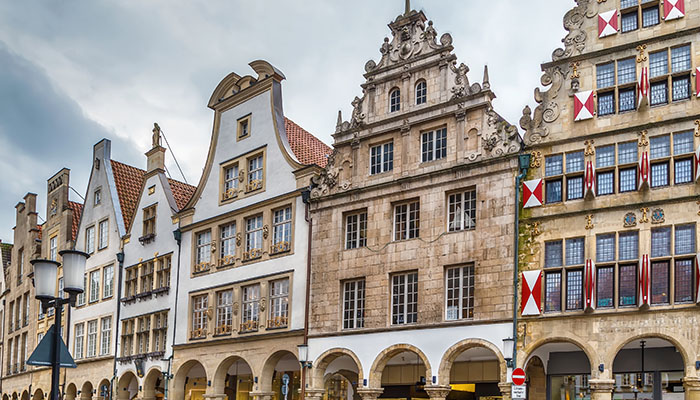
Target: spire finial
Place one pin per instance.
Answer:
(156, 135)
(408, 7)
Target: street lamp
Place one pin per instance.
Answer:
(304, 355)
(508, 345)
(45, 273)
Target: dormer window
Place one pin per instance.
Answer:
(244, 127)
(395, 100)
(421, 92)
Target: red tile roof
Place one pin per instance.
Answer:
(77, 212)
(129, 181)
(307, 148)
(6, 253)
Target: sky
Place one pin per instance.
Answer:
(77, 71)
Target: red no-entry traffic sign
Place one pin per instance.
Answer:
(518, 376)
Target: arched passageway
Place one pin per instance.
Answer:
(190, 381)
(473, 369)
(282, 375)
(402, 372)
(338, 372)
(71, 392)
(558, 370)
(154, 385)
(234, 378)
(127, 387)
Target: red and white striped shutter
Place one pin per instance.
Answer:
(589, 179)
(583, 105)
(697, 166)
(644, 281)
(531, 300)
(643, 87)
(697, 273)
(674, 9)
(643, 170)
(532, 193)
(589, 284)
(607, 23)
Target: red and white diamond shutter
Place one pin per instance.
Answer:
(674, 9)
(532, 193)
(697, 273)
(589, 179)
(589, 284)
(643, 170)
(607, 23)
(697, 164)
(643, 87)
(644, 281)
(583, 105)
(531, 300)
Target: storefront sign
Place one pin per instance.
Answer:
(518, 392)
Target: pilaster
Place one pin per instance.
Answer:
(369, 393)
(691, 384)
(314, 394)
(505, 388)
(437, 392)
(601, 389)
(262, 395)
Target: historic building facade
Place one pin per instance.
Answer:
(412, 232)
(243, 258)
(608, 241)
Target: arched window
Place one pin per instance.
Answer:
(394, 100)
(421, 92)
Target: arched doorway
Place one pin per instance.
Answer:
(86, 391)
(190, 381)
(154, 385)
(648, 369)
(25, 395)
(234, 378)
(558, 370)
(103, 392)
(282, 375)
(71, 391)
(402, 371)
(338, 372)
(38, 395)
(474, 369)
(127, 387)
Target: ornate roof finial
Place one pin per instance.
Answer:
(485, 83)
(156, 135)
(408, 7)
(340, 119)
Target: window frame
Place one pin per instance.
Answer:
(356, 237)
(404, 317)
(357, 311)
(384, 156)
(394, 100)
(421, 92)
(103, 234)
(411, 229)
(461, 298)
(433, 145)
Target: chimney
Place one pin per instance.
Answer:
(156, 156)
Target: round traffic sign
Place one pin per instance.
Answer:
(518, 376)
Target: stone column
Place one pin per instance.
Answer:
(692, 388)
(369, 393)
(256, 395)
(601, 389)
(437, 392)
(505, 387)
(314, 394)
(212, 396)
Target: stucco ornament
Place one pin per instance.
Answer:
(328, 178)
(357, 115)
(575, 40)
(504, 139)
(461, 87)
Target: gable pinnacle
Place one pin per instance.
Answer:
(408, 7)
(485, 83)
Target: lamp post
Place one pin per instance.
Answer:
(303, 350)
(508, 345)
(45, 273)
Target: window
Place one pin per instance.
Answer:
(605, 79)
(230, 189)
(552, 291)
(227, 248)
(605, 178)
(26, 310)
(658, 64)
(661, 242)
(78, 342)
(574, 175)
(147, 277)
(92, 338)
(354, 304)
(381, 158)
(203, 255)
(90, 240)
(200, 305)
(255, 173)
(421, 92)
(251, 308)
(94, 286)
(97, 196)
(684, 239)
(103, 234)
(459, 292)
(282, 230)
(143, 334)
(461, 211)
(149, 220)
(434, 145)
(575, 251)
(163, 273)
(406, 220)
(127, 337)
(683, 157)
(627, 170)
(253, 237)
(394, 100)
(605, 248)
(80, 300)
(659, 282)
(105, 336)
(224, 312)
(108, 282)
(279, 303)
(624, 88)
(131, 281)
(160, 329)
(659, 153)
(628, 285)
(680, 72)
(629, 21)
(356, 230)
(683, 281)
(553, 169)
(53, 248)
(244, 127)
(605, 283)
(553, 254)
(629, 246)
(20, 266)
(404, 299)
(574, 289)
(650, 16)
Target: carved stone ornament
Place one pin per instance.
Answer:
(461, 87)
(641, 57)
(657, 216)
(504, 140)
(536, 159)
(644, 218)
(590, 151)
(643, 141)
(238, 239)
(536, 229)
(630, 220)
(266, 232)
(322, 184)
(589, 222)
(54, 207)
(697, 128)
